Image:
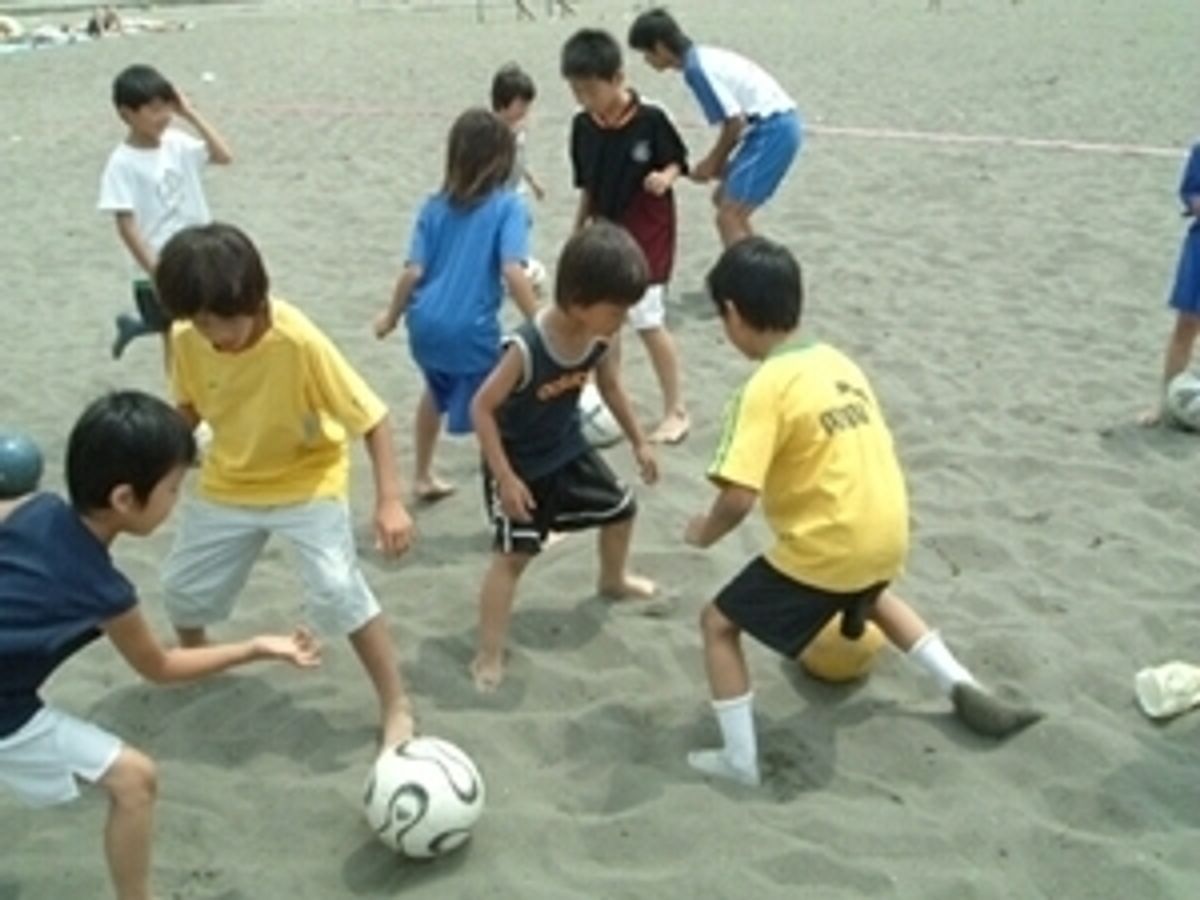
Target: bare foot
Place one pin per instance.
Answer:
(432, 489)
(1151, 417)
(395, 727)
(629, 587)
(487, 673)
(672, 429)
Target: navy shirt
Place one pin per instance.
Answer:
(57, 586)
(539, 421)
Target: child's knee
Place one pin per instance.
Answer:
(133, 779)
(1187, 327)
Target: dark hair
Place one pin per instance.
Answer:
(762, 280)
(138, 85)
(510, 83)
(479, 156)
(601, 264)
(211, 268)
(591, 53)
(657, 26)
(126, 437)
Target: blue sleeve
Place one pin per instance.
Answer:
(706, 95)
(1189, 185)
(418, 245)
(514, 230)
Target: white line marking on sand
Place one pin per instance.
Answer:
(998, 140)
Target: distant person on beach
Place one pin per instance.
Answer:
(626, 156)
(513, 93)
(59, 590)
(540, 474)
(760, 127)
(1185, 295)
(282, 403)
(805, 436)
(152, 185)
(470, 239)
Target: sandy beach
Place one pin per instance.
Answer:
(1007, 298)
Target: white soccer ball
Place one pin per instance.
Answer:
(423, 796)
(600, 428)
(1183, 400)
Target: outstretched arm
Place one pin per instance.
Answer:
(134, 640)
(727, 512)
(713, 165)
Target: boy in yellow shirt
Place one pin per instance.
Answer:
(806, 434)
(281, 402)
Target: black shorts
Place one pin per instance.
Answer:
(582, 494)
(781, 612)
(154, 317)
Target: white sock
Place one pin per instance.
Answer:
(738, 759)
(932, 655)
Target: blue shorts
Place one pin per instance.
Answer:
(452, 393)
(1185, 295)
(763, 158)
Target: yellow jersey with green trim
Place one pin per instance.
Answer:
(280, 411)
(806, 433)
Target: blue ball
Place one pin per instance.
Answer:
(20, 464)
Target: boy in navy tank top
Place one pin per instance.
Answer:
(540, 474)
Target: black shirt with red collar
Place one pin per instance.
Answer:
(611, 160)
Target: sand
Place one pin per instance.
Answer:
(1007, 301)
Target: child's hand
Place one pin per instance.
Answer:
(539, 192)
(385, 324)
(517, 502)
(393, 528)
(658, 183)
(300, 648)
(647, 463)
(693, 534)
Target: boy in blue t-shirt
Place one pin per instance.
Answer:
(59, 591)
(760, 128)
(468, 238)
(540, 474)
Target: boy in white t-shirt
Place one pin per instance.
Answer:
(152, 184)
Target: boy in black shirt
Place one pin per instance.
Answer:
(540, 474)
(627, 155)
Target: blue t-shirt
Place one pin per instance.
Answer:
(1189, 184)
(453, 316)
(57, 586)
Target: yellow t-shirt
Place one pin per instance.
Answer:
(807, 434)
(280, 411)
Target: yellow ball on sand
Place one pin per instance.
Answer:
(832, 657)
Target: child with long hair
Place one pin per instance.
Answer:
(471, 239)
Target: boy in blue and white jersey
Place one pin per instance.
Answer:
(761, 131)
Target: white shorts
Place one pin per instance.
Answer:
(217, 544)
(42, 761)
(651, 311)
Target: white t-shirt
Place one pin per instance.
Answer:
(159, 185)
(726, 84)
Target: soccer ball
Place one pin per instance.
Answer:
(1183, 400)
(831, 656)
(599, 427)
(20, 464)
(423, 796)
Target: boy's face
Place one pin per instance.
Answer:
(230, 334)
(144, 518)
(601, 320)
(148, 122)
(515, 113)
(658, 58)
(599, 96)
